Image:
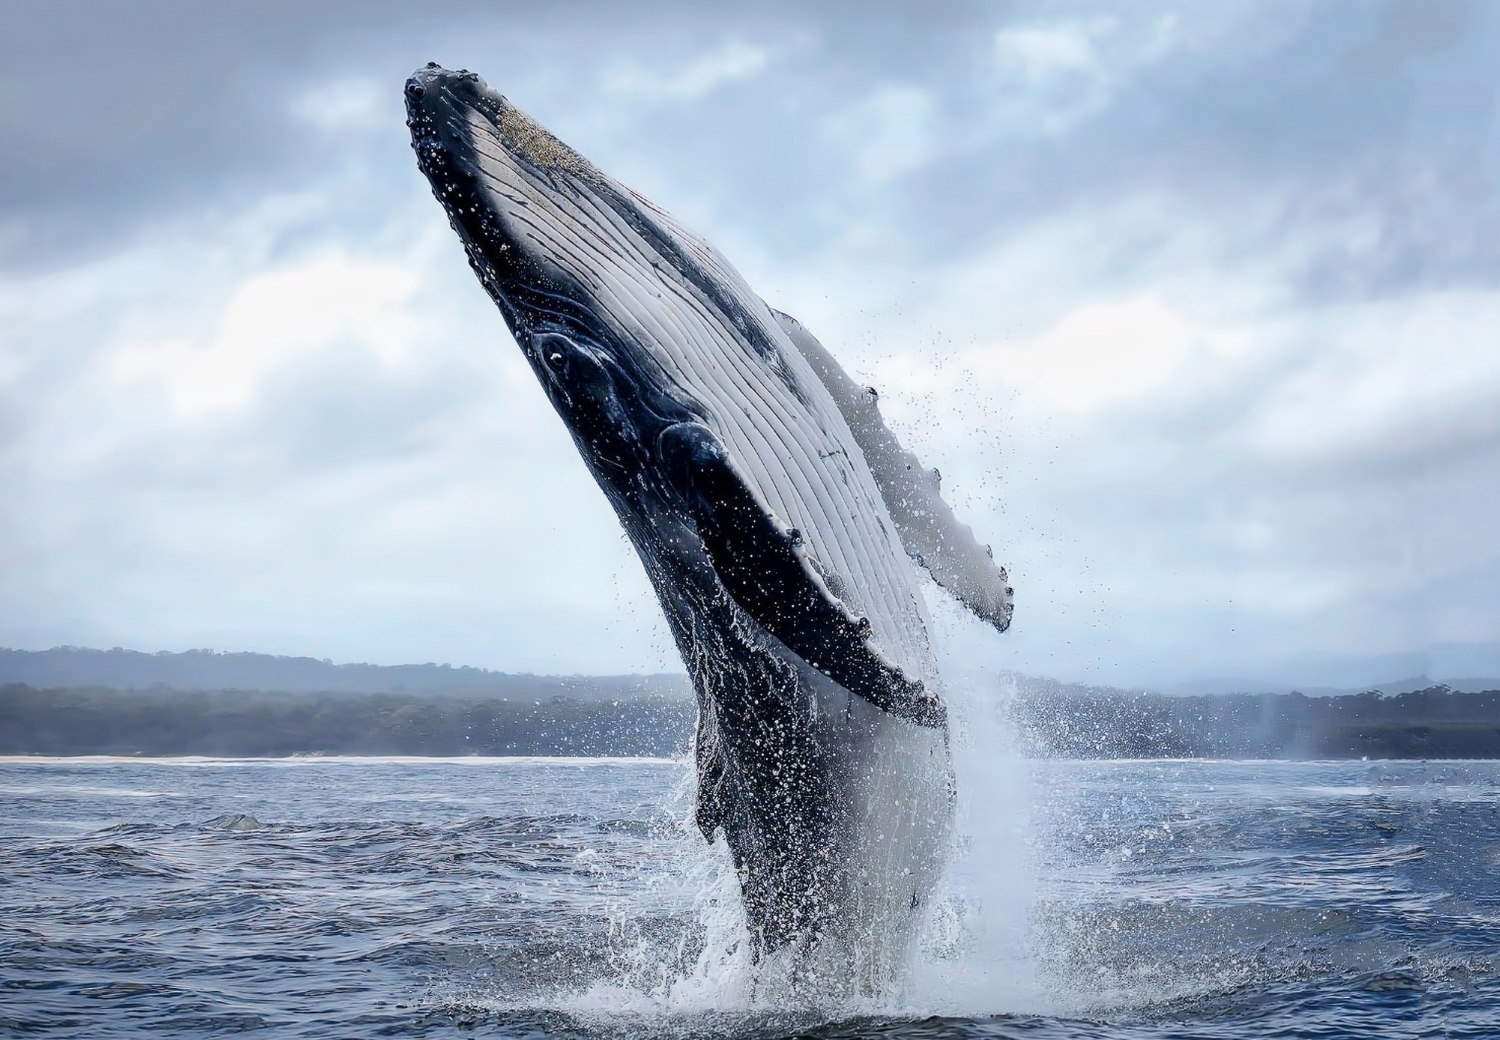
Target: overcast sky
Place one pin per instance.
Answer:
(1194, 305)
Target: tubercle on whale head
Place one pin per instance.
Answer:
(442, 108)
(438, 101)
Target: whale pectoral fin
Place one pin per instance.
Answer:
(763, 565)
(930, 532)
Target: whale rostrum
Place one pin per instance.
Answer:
(775, 514)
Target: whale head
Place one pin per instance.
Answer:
(542, 228)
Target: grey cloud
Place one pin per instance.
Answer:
(335, 409)
(158, 109)
(116, 111)
(1278, 137)
(119, 114)
(123, 114)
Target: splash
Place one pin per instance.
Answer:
(973, 955)
(976, 954)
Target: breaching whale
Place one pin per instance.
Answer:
(776, 516)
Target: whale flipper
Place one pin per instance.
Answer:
(932, 535)
(768, 570)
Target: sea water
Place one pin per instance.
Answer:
(528, 897)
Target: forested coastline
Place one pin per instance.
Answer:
(241, 723)
(1437, 722)
(77, 667)
(1049, 718)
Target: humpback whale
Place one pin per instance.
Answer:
(776, 516)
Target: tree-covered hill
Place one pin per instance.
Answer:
(1079, 722)
(119, 669)
(1050, 719)
(236, 723)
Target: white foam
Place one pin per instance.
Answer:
(974, 955)
(977, 956)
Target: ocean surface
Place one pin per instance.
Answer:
(524, 897)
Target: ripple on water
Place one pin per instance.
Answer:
(328, 900)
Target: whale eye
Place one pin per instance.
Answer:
(555, 360)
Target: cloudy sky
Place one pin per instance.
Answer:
(1195, 306)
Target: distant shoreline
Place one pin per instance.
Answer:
(1049, 720)
(465, 760)
(470, 761)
